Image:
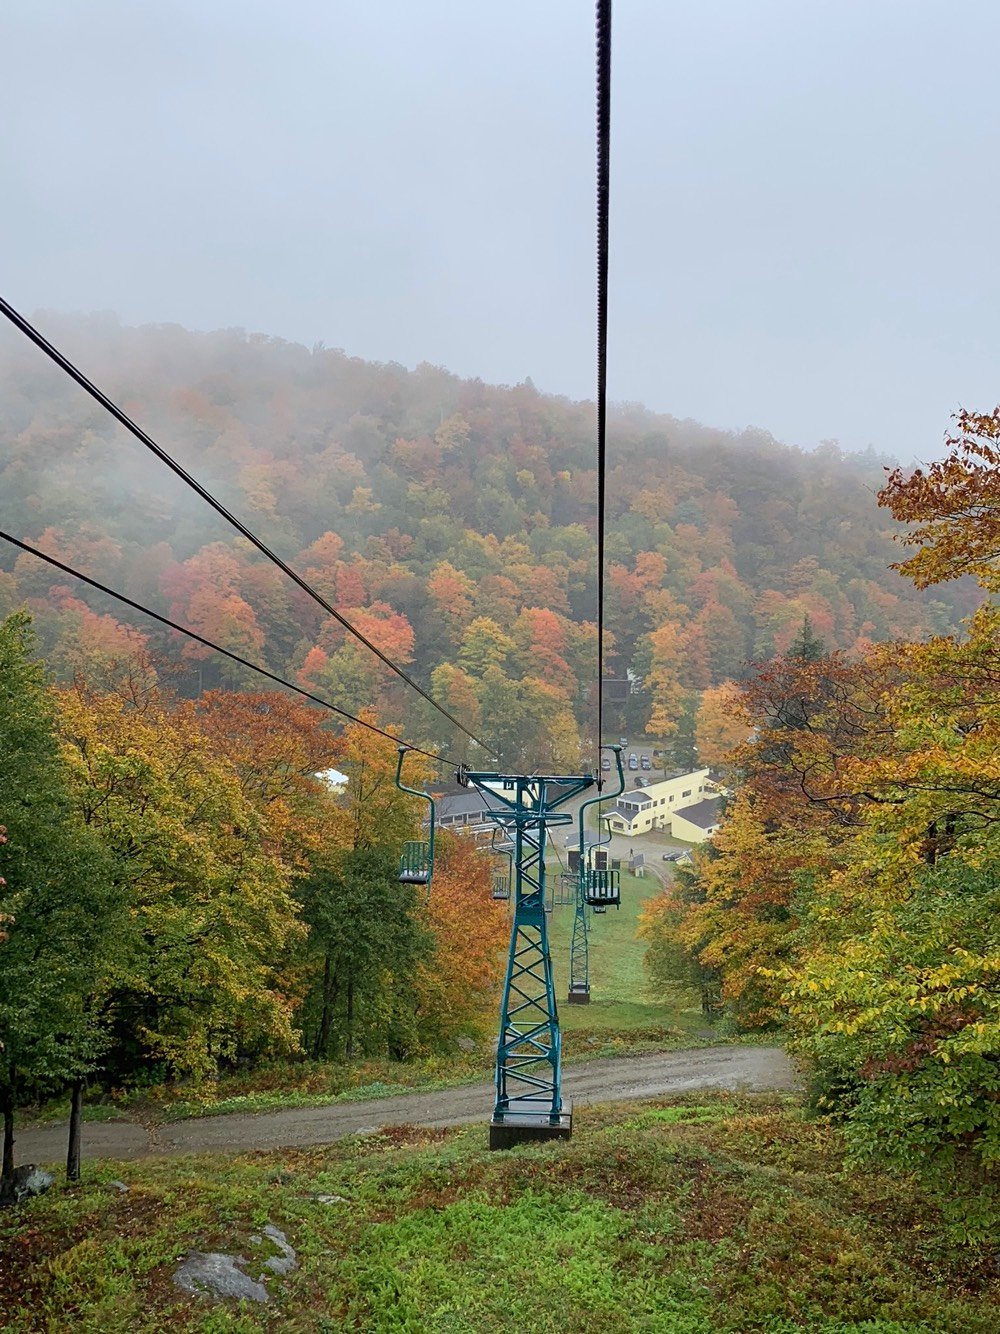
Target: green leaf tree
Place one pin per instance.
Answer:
(208, 891)
(57, 898)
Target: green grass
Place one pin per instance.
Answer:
(716, 1215)
(621, 1003)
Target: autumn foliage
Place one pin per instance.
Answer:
(260, 911)
(451, 521)
(851, 895)
(458, 987)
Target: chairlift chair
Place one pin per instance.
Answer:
(416, 866)
(416, 863)
(501, 880)
(601, 887)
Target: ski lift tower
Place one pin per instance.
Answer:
(529, 1104)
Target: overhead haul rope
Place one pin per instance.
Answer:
(208, 643)
(603, 183)
(66, 365)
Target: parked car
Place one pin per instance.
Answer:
(623, 741)
(633, 763)
(644, 763)
(673, 856)
(605, 764)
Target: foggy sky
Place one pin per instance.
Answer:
(804, 195)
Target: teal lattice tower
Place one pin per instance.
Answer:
(529, 1102)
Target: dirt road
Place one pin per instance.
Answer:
(757, 1069)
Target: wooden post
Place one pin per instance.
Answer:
(7, 1107)
(75, 1118)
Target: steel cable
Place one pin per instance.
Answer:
(208, 643)
(603, 188)
(110, 406)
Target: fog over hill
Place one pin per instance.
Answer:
(450, 519)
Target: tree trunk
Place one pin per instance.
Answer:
(330, 989)
(75, 1118)
(349, 1045)
(7, 1108)
(931, 844)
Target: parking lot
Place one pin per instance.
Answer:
(645, 767)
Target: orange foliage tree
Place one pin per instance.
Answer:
(276, 745)
(458, 986)
(954, 506)
(720, 725)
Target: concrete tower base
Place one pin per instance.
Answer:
(518, 1128)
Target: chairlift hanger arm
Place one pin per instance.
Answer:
(603, 796)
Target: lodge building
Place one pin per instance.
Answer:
(684, 805)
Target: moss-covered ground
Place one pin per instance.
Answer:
(720, 1215)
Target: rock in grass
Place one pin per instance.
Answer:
(286, 1261)
(215, 1275)
(25, 1182)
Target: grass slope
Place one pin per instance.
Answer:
(621, 1003)
(716, 1216)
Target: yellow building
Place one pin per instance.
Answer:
(653, 807)
(695, 823)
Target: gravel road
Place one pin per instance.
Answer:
(621, 1079)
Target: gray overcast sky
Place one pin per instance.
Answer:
(804, 192)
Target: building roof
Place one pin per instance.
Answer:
(658, 785)
(704, 814)
(637, 798)
(461, 803)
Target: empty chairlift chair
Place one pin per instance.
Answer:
(503, 875)
(602, 888)
(416, 863)
(416, 866)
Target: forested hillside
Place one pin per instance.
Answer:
(450, 520)
(850, 894)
